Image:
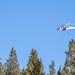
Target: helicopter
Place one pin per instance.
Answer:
(65, 27)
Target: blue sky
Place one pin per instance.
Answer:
(27, 24)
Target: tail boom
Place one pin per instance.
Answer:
(70, 28)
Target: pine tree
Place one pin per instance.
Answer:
(35, 66)
(59, 71)
(12, 65)
(69, 66)
(23, 72)
(65, 70)
(27, 72)
(52, 69)
(1, 68)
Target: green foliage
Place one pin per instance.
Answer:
(27, 72)
(70, 60)
(11, 65)
(52, 69)
(1, 69)
(23, 72)
(35, 66)
(69, 66)
(59, 71)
